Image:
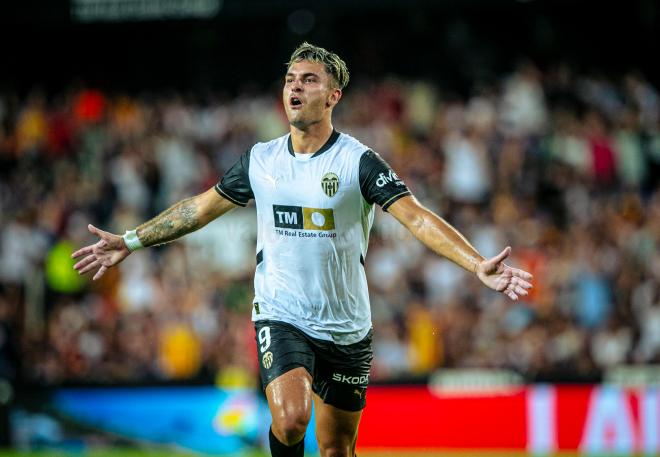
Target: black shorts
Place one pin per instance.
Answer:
(340, 373)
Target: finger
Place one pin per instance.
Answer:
(84, 262)
(511, 295)
(89, 267)
(82, 251)
(100, 273)
(97, 231)
(522, 274)
(520, 291)
(501, 256)
(522, 283)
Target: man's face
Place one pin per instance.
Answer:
(308, 94)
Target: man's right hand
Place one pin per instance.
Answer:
(106, 253)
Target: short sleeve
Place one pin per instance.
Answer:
(235, 184)
(378, 182)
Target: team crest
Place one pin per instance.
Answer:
(267, 360)
(330, 184)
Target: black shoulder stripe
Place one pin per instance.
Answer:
(235, 184)
(378, 182)
(224, 194)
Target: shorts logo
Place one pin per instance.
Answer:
(267, 360)
(330, 184)
(354, 380)
(300, 217)
(358, 392)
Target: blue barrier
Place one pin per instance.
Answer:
(202, 419)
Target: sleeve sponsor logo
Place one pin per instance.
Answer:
(384, 179)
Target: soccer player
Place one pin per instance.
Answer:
(314, 190)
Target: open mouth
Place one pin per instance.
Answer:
(295, 102)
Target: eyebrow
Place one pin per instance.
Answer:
(304, 75)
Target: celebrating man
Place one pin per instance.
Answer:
(314, 190)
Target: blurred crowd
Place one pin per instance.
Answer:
(563, 167)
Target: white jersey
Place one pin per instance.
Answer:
(314, 213)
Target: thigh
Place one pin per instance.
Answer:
(286, 362)
(290, 403)
(336, 429)
(341, 374)
(281, 348)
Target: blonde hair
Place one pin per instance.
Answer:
(334, 65)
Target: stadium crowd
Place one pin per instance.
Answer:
(562, 167)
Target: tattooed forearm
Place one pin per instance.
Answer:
(174, 222)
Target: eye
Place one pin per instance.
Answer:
(309, 80)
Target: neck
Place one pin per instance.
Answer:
(312, 138)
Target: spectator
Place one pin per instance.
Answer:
(561, 165)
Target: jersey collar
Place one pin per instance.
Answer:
(328, 144)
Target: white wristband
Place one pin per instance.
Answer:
(132, 241)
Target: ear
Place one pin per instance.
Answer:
(333, 98)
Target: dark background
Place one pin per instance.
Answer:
(457, 43)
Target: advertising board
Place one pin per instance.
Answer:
(536, 418)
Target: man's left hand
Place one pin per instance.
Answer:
(497, 275)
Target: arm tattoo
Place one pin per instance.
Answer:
(171, 224)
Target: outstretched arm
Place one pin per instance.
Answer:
(183, 217)
(445, 240)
